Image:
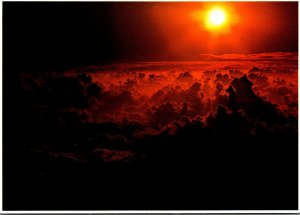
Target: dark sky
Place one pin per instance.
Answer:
(57, 34)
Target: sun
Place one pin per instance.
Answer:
(216, 17)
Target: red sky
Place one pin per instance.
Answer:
(70, 34)
(169, 29)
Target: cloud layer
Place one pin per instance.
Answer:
(209, 127)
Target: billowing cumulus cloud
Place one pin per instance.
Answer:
(228, 117)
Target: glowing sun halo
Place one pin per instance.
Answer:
(216, 17)
(217, 20)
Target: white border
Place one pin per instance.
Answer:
(149, 1)
(1, 128)
(153, 212)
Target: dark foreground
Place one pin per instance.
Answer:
(238, 153)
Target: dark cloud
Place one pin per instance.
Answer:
(68, 92)
(185, 76)
(116, 132)
(164, 114)
(222, 78)
(259, 79)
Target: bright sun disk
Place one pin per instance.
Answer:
(216, 17)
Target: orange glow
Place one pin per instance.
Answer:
(186, 32)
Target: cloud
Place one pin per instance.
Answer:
(259, 78)
(242, 96)
(185, 76)
(272, 56)
(221, 130)
(164, 114)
